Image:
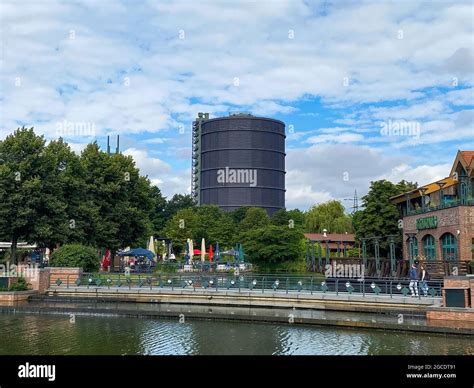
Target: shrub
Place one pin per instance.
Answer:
(76, 255)
(20, 285)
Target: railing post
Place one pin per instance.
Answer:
(391, 285)
(311, 285)
(363, 288)
(67, 281)
(263, 285)
(287, 285)
(337, 286)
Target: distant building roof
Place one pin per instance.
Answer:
(332, 237)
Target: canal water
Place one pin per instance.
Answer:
(50, 334)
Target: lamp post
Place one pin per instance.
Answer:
(391, 241)
(410, 247)
(377, 253)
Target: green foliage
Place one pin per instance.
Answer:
(20, 285)
(76, 255)
(22, 172)
(353, 252)
(273, 244)
(181, 227)
(255, 218)
(285, 217)
(380, 217)
(176, 203)
(239, 214)
(330, 216)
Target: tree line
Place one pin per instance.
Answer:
(51, 196)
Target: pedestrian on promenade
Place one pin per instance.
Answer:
(414, 280)
(425, 276)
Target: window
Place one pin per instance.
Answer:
(449, 246)
(472, 248)
(413, 247)
(429, 247)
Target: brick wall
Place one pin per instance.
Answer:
(67, 275)
(450, 220)
(451, 315)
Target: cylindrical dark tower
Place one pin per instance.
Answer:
(241, 162)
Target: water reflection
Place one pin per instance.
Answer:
(103, 335)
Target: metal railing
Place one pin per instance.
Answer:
(249, 283)
(445, 205)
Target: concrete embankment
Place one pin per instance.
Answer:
(272, 299)
(324, 309)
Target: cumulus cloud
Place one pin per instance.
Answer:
(144, 70)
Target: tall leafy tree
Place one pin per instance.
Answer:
(177, 202)
(255, 217)
(272, 244)
(21, 186)
(158, 214)
(330, 216)
(285, 217)
(379, 216)
(181, 227)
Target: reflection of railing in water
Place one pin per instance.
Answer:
(248, 283)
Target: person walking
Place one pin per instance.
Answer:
(413, 281)
(425, 276)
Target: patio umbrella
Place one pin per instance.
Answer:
(151, 245)
(241, 253)
(211, 255)
(203, 249)
(218, 253)
(138, 252)
(106, 260)
(191, 251)
(237, 253)
(186, 252)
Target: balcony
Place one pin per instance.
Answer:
(447, 203)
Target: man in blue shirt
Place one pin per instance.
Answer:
(414, 280)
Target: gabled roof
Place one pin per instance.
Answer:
(466, 158)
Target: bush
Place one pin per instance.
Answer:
(20, 285)
(76, 255)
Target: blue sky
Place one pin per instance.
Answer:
(335, 73)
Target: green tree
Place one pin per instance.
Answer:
(158, 215)
(255, 217)
(285, 217)
(177, 202)
(273, 244)
(21, 187)
(379, 216)
(181, 227)
(330, 216)
(120, 198)
(239, 214)
(76, 255)
(213, 225)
